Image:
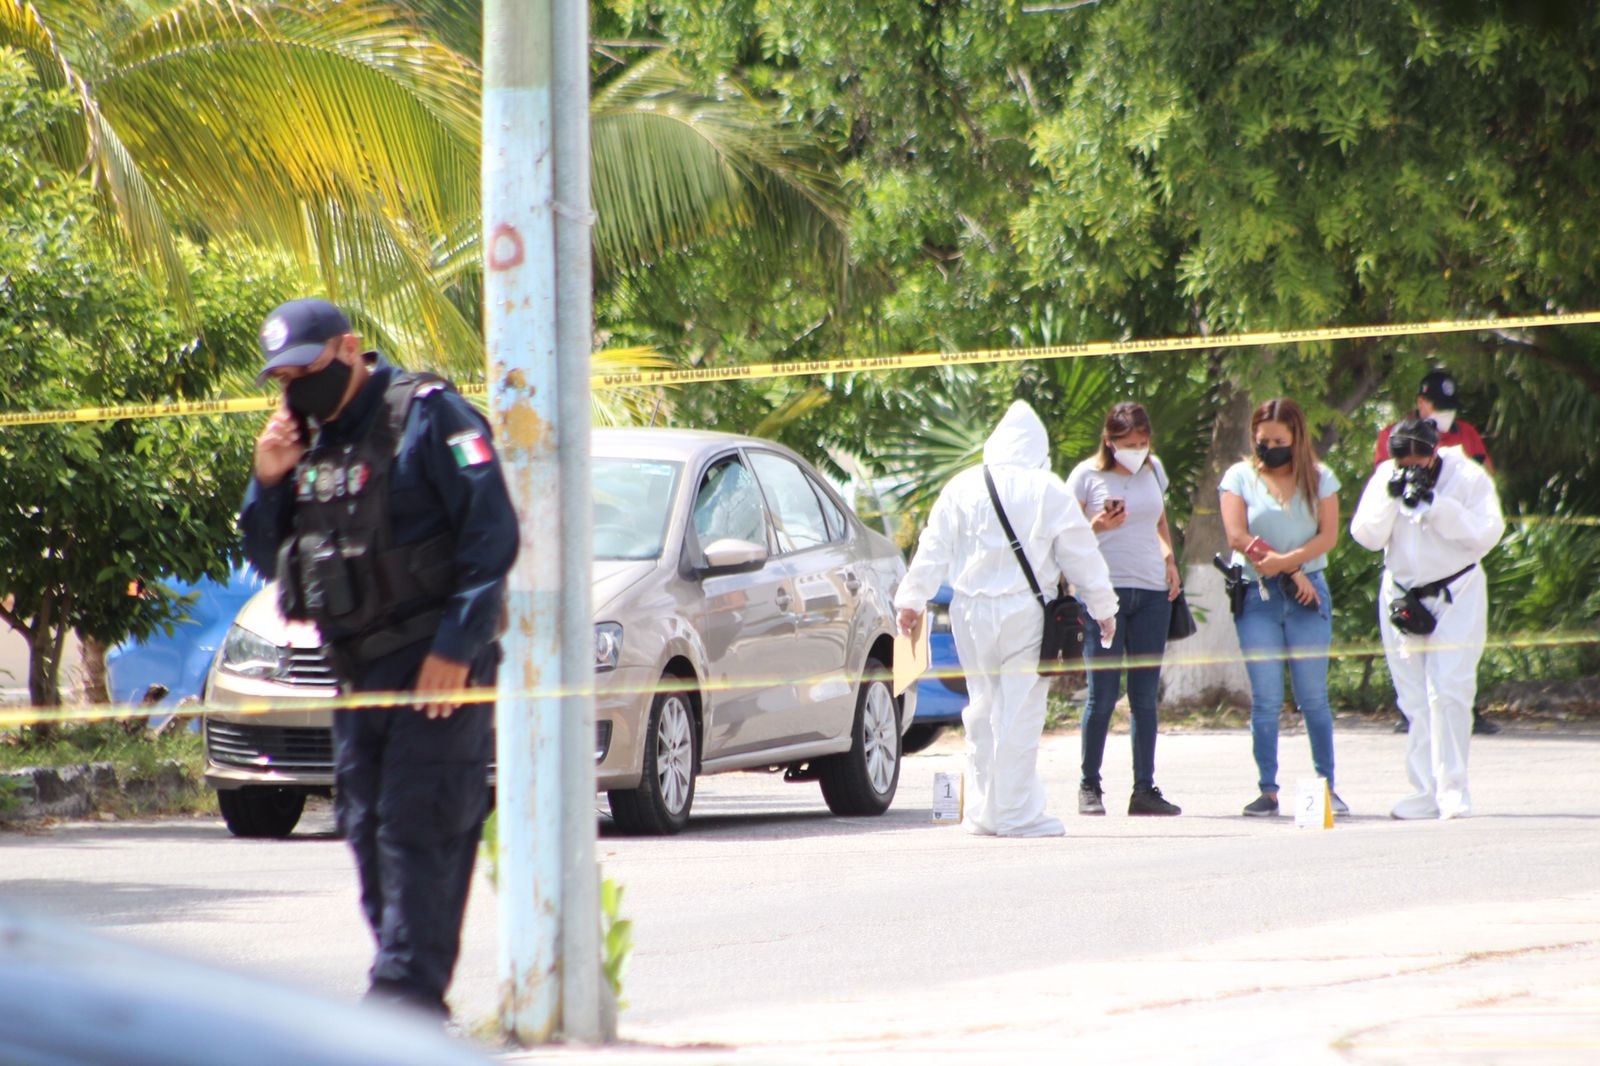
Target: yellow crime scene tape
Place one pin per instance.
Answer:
(871, 364)
(755, 372)
(27, 716)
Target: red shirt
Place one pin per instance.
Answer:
(1463, 434)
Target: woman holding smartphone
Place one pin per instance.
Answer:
(1280, 509)
(1122, 491)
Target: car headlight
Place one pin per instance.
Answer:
(249, 655)
(607, 646)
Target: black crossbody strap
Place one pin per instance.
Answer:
(1433, 588)
(1016, 546)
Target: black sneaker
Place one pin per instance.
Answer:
(1089, 801)
(1482, 726)
(1265, 806)
(1403, 725)
(1149, 801)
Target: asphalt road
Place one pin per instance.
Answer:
(767, 901)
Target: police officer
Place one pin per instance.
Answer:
(378, 504)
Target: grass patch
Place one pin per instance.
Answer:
(161, 771)
(71, 743)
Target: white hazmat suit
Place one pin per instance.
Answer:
(995, 619)
(1435, 676)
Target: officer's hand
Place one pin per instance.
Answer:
(907, 620)
(279, 447)
(440, 677)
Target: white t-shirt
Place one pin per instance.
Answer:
(1133, 550)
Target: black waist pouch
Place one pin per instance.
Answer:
(1410, 615)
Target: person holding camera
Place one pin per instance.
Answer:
(378, 506)
(1434, 514)
(1122, 491)
(1280, 510)
(995, 616)
(1439, 400)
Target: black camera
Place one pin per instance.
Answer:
(1413, 485)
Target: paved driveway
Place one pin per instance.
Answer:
(774, 927)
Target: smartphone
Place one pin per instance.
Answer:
(1256, 550)
(1115, 504)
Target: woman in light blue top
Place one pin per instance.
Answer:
(1281, 514)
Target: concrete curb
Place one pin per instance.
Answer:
(43, 792)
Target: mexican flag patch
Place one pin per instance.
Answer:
(469, 448)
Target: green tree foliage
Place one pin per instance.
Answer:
(1138, 168)
(87, 508)
(1265, 165)
(346, 132)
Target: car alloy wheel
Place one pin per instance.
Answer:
(862, 781)
(675, 753)
(880, 730)
(660, 805)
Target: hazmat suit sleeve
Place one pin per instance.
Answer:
(1077, 553)
(1373, 523)
(930, 566)
(1471, 519)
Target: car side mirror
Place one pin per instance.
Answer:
(733, 556)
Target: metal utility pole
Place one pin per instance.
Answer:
(537, 327)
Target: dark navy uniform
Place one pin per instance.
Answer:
(412, 792)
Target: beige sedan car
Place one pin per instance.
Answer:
(743, 621)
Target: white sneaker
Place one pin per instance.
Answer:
(1415, 807)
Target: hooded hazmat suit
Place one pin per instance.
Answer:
(1435, 676)
(995, 619)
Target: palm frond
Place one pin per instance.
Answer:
(232, 106)
(672, 164)
(629, 406)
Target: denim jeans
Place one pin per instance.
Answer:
(1143, 616)
(1274, 631)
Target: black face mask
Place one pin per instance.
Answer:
(318, 395)
(1273, 458)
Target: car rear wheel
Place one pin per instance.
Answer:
(261, 812)
(863, 780)
(660, 805)
(919, 738)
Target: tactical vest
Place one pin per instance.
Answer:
(339, 567)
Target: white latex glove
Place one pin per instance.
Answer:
(1108, 630)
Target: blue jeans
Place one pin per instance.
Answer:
(1143, 616)
(1278, 630)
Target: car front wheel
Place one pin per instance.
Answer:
(863, 780)
(660, 805)
(261, 812)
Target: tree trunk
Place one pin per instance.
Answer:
(1208, 667)
(92, 658)
(44, 653)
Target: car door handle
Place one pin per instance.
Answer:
(852, 583)
(783, 599)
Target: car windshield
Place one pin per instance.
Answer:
(632, 503)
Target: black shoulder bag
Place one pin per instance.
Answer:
(1061, 649)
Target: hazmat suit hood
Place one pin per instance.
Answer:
(1019, 440)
